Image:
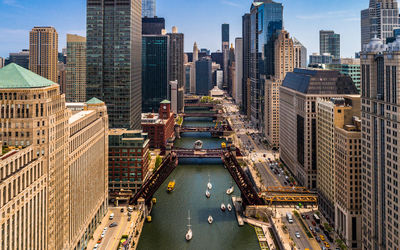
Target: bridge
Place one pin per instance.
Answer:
(214, 129)
(204, 153)
(288, 196)
(200, 105)
(211, 115)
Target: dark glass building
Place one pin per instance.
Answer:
(225, 52)
(225, 32)
(246, 27)
(218, 58)
(203, 76)
(266, 20)
(114, 49)
(20, 58)
(190, 55)
(154, 71)
(152, 25)
(329, 42)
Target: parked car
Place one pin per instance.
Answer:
(317, 229)
(96, 246)
(114, 224)
(297, 234)
(122, 210)
(308, 217)
(111, 216)
(103, 235)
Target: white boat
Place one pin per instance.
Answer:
(198, 145)
(223, 207)
(229, 206)
(208, 194)
(189, 233)
(210, 219)
(230, 190)
(209, 185)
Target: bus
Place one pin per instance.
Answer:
(289, 217)
(317, 219)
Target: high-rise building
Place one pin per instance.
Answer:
(128, 162)
(298, 127)
(76, 69)
(193, 69)
(329, 42)
(300, 54)
(246, 34)
(267, 19)
(316, 58)
(176, 64)
(219, 78)
(187, 68)
(61, 77)
(60, 161)
(203, 76)
(148, 8)
(218, 58)
(114, 59)
(379, 20)
(380, 144)
(348, 66)
(153, 25)
(231, 71)
(284, 63)
(239, 71)
(43, 52)
(336, 112)
(20, 58)
(2, 62)
(155, 73)
(225, 52)
(348, 173)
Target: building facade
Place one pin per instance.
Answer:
(316, 58)
(62, 77)
(20, 58)
(63, 146)
(176, 65)
(225, 52)
(300, 54)
(203, 76)
(284, 63)
(246, 28)
(329, 42)
(153, 25)
(76, 69)
(380, 76)
(298, 127)
(331, 114)
(379, 20)
(114, 59)
(148, 8)
(43, 52)
(128, 162)
(239, 72)
(2, 62)
(193, 69)
(160, 126)
(155, 72)
(350, 68)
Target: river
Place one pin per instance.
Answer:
(169, 216)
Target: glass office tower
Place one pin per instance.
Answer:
(154, 71)
(148, 8)
(114, 49)
(265, 20)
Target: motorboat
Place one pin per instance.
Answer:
(209, 185)
(229, 206)
(189, 233)
(223, 207)
(210, 219)
(230, 190)
(198, 145)
(208, 194)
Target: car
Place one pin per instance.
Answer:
(327, 244)
(122, 210)
(297, 234)
(114, 224)
(308, 217)
(314, 233)
(129, 218)
(111, 216)
(99, 241)
(103, 235)
(318, 240)
(310, 227)
(303, 216)
(317, 229)
(322, 237)
(105, 229)
(129, 213)
(96, 246)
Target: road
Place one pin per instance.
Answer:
(114, 234)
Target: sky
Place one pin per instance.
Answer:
(199, 20)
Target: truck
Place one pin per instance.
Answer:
(289, 217)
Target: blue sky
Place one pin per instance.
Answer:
(199, 20)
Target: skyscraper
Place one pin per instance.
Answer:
(329, 42)
(246, 31)
(114, 59)
(43, 52)
(193, 69)
(203, 76)
(380, 144)
(153, 25)
(155, 74)
(148, 8)
(266, 20)
(239, 71)
(379, 20)
(76, 69)
(175, 65)
(20, 58)
(300, 54)
(225, 52)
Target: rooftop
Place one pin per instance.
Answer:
(165, 102)
(94, 100)
(14, 76)
(79, 116)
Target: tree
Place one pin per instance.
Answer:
(158, 162)
(328, 227)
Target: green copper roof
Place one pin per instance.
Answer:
(165, 102)
(14, 76)
(94, 100)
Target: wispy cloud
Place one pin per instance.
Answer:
(230, 3)
(329, 14)
(12, 3)
(352, 19)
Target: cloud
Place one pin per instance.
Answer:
(233, 4)
(12, 3)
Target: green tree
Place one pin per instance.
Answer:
(158, 162)
(328, 227)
